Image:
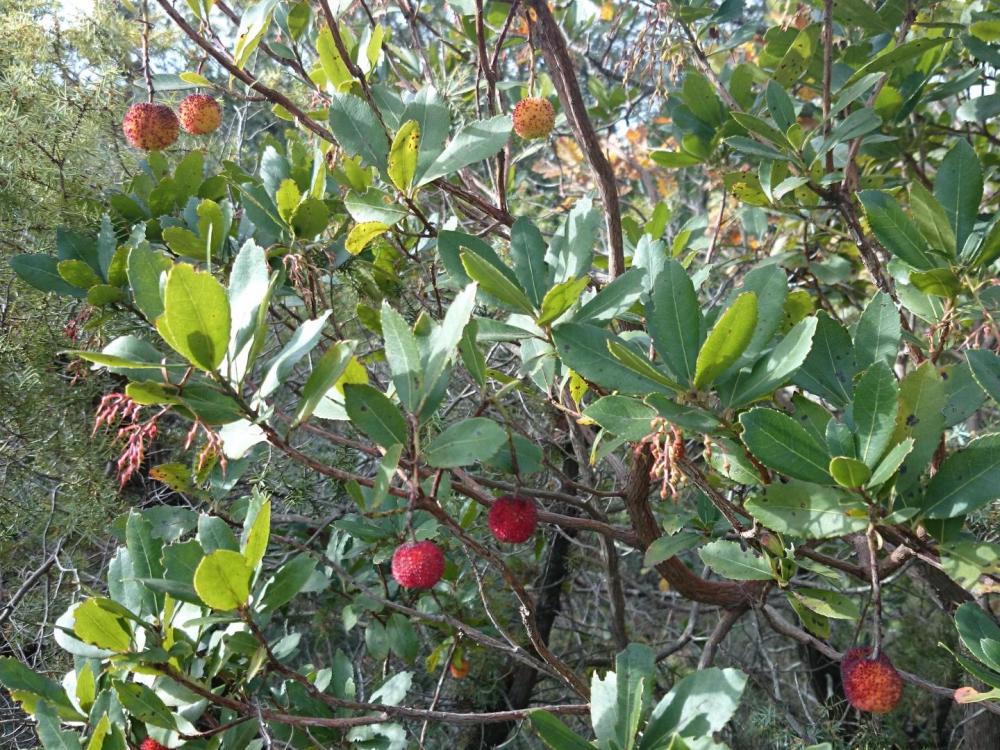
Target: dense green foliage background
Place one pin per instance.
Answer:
(807, 224)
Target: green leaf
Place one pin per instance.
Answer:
(640, 365)
(665, 547)
(310, 218)
(362, 234)
(286, 583)
(896, 231)
(403, 641)
(403, 155)
(674, 319)
(16, 677)
(585, 349)
(465, 443)
(260, 531)
(697, 706)
(625, 416)
(103, 294)
(877, 336)
(555, 733)
(186, 243)
(560, 298)
(303, 341)
(829, 369)
(613, 299)
(445, 339)
(475, 142)
(830, 604)
(102, 626)
(195, 319)
(144, 268)
(403, 355)
(849, 472)
(42, 272)
(727, 340)
(860, 122)
(940, 282)
(876, 402)
(780, 443)
(49, 732)
(495, 283)
(338, 75)
(375, 415)
(450, 245)
(430, 112)
(932, 220)
(222, 580)
(731, 561)
(144, 705)
(325, 373)
(891, 463)
(253, 26)
(922, 399)
(796, 59)
(78, 273)
(780, 106)
(527, 250)
(979, 634)
(101, 731)
(765, 130)
(685, 417)
(773, 370)
(967, 480)
(985, 367)
(959, 188)
(357, 130)
(808, 511)
(893, 57)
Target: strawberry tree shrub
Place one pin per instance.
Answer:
(637, 379)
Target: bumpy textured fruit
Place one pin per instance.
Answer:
(513, 519)
(151, 127)
(418, 565)
(200, 114)
(870, 684)
(150, 744)
(534, 117)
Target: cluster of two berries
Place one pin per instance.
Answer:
(420, 565)
(153, 127)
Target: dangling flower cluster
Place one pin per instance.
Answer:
(73, 325)
(666, 445)
(212, 448)
(137, 434)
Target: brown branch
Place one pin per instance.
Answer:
(727, 594)
(729, 618)
(561, 68)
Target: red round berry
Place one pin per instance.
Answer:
(871, 685)
(151, 127)
(418, 565)
(513, 519)
(150, 744)
(200, 114)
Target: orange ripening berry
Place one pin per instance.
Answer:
(200, 114)
(459, 667)
(871, 685)
(534, 117)
(151, 127)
